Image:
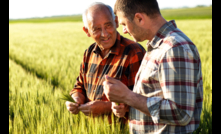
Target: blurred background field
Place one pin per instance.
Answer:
(180, 13)
(44, 60)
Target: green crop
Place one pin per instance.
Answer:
(44, 62)
(67, 97)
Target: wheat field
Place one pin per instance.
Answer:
(44, 61)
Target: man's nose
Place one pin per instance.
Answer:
(125, 30)
(104, 33)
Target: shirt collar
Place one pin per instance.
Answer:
(161, 34)
(115, 49)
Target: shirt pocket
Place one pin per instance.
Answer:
(149, 80)
(150, 71)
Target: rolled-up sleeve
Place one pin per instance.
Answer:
(178, 74)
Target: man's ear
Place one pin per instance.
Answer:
(116, 22)
(86, 31)
(139, 18)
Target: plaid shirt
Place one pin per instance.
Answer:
(122, 63)
(170, 77)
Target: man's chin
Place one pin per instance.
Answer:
(135, 40)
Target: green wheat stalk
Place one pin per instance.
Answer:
(67, 97)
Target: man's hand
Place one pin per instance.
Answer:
(73, 107)
(115, 90)
(119, 110)
(95, 108)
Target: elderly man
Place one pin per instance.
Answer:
(168, 91)
(111, 54)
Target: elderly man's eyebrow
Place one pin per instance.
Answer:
(108, 23)
(94, 27)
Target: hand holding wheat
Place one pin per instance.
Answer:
(71, 104)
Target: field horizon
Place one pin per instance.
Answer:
(204, 12)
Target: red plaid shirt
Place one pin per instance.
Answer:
(122, 63)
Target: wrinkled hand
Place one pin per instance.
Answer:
(73, 107)
(115, 90)
(95, 108)
(119, 110)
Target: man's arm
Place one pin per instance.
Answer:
(78, 98)
(96, 108)
(178, 75)
(79, 84)
(78, 93)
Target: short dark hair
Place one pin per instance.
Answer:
(131, 7)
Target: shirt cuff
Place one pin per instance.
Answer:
(76, 90)
(153, 105)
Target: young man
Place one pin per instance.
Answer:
(168, 92)
(111, 54)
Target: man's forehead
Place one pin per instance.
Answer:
(95, 10)
(121, 16)
(99, 16)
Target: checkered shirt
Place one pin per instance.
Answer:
(170, 77)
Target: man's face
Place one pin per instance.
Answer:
(102, 28)
(131, 28)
